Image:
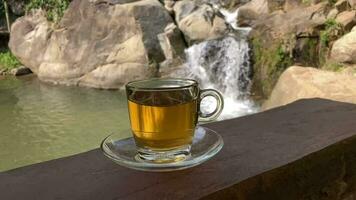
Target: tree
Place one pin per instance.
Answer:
(6, 10)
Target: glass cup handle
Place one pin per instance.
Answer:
(219, 107)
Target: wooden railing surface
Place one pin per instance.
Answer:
(262, 153)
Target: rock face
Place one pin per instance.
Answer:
(300, 21)
(198, 22)
(344, 49)
(261, 7)
(257, 6)
(251, 11)
(332, 14)
(29, 39)
(352, 3)
(341, 5)
(347, 19)
(258, 9)
(292, 4)
(281, 39)
(305, 82)
(99, 43)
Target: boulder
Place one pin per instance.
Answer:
(281, 39)
(198, 22)
(29, 39)
(347, 19)
(301, 21)
(352, 3)
(332, 13)
(292, 4)
(344, 49)
(232, 4)
(256, 6)
(306, 82)
(349, 70)
(341, 5)
(256, 9)
(98, 43)
(168, 4)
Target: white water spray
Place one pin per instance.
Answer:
(224, 65)
(232, 19)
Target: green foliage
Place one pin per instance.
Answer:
(275, 57)
(54, 8)
(332, 31)
(8, 60)
(280, 61)
(269, 63)
(332, 2)
(306, 2)
(332, 66)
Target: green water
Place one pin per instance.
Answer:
(40, 121)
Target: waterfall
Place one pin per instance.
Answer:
(223, 64)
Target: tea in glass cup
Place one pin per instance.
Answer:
(163, 116)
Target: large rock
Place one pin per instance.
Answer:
(305, 82)
(269, 6)
(347, 19)
(341, 5)
(352, 3)
(252, 11)
(198, 22)
(168, 4)
(344, 49)
(292, 4)
(301, 21)
(98, 43)
(257, 6)
(281, 39)
(332, 13)
(29, 39)
(256, 9)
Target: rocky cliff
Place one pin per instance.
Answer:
(105, 43)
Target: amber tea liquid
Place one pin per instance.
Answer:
(165, 121)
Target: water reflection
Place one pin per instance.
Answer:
(40, 121)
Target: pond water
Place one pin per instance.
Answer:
(40, 121)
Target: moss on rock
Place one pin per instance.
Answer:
(269, 63)
(272, 56)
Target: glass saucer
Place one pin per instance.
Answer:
(206, 144)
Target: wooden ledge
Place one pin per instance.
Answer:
(302, 144)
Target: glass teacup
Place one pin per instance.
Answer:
(164, 114)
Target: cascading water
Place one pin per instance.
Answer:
(223, 64)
